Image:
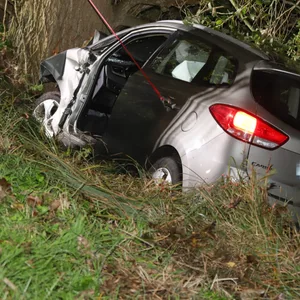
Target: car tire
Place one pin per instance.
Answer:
(45, 107)
(166, 169)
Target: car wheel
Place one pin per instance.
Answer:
(45, 108)
(166, 169)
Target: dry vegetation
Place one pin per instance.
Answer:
(40, 29)
(90, 229)
(30, 31)
(76, 228)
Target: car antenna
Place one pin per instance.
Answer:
(165, 100)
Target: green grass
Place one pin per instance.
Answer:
(75, 228)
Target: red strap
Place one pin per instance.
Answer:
(127, 51)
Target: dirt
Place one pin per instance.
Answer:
(74, 22)
(77, 20)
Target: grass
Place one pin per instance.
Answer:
(74, 228)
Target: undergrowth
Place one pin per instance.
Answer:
(76, 228)
(271, 26)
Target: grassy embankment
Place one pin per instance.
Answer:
(75, 228)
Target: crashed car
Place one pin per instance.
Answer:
(225, 107)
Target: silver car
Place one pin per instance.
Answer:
(202, 105)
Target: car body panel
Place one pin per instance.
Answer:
(280, 167)
(62, 69)
(139, 117)
(206, 133)
(140, 124)
(282, 163)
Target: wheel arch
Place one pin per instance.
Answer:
(164, 151)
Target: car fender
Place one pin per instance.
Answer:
(174, 142)
(63, 70)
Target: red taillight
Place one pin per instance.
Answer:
(246, 127)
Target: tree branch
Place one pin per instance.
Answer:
(238, 11)
(292, 4)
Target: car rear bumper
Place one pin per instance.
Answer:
(281, 194)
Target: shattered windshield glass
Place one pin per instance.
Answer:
(105, 42)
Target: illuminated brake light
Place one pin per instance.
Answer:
(246, 127)
(244, 122)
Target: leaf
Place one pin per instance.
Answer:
(25, 116)
(40, 177)
(5, 185)
(88, 294)
(244, 11)
(231, 264)
(42, 209)
(252, 259)
(2, 194)
(54, 205)
(18, 206)
(62, 203)
(219, 22)
(34, 213)
(251, 294)
(5, 188)
(34, 201)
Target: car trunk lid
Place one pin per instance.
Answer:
(277, 93)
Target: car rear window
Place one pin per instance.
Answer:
(279, 94)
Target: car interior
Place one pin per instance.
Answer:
(194, 61)
(115, 71)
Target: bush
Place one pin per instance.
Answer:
(272, 26)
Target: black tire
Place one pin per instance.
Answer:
(49, 95)
(169, 166)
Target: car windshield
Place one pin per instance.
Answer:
(279, 94)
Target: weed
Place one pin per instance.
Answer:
(72, 227)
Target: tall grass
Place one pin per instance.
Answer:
(73, 227)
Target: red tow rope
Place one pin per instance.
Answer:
(127, 51)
